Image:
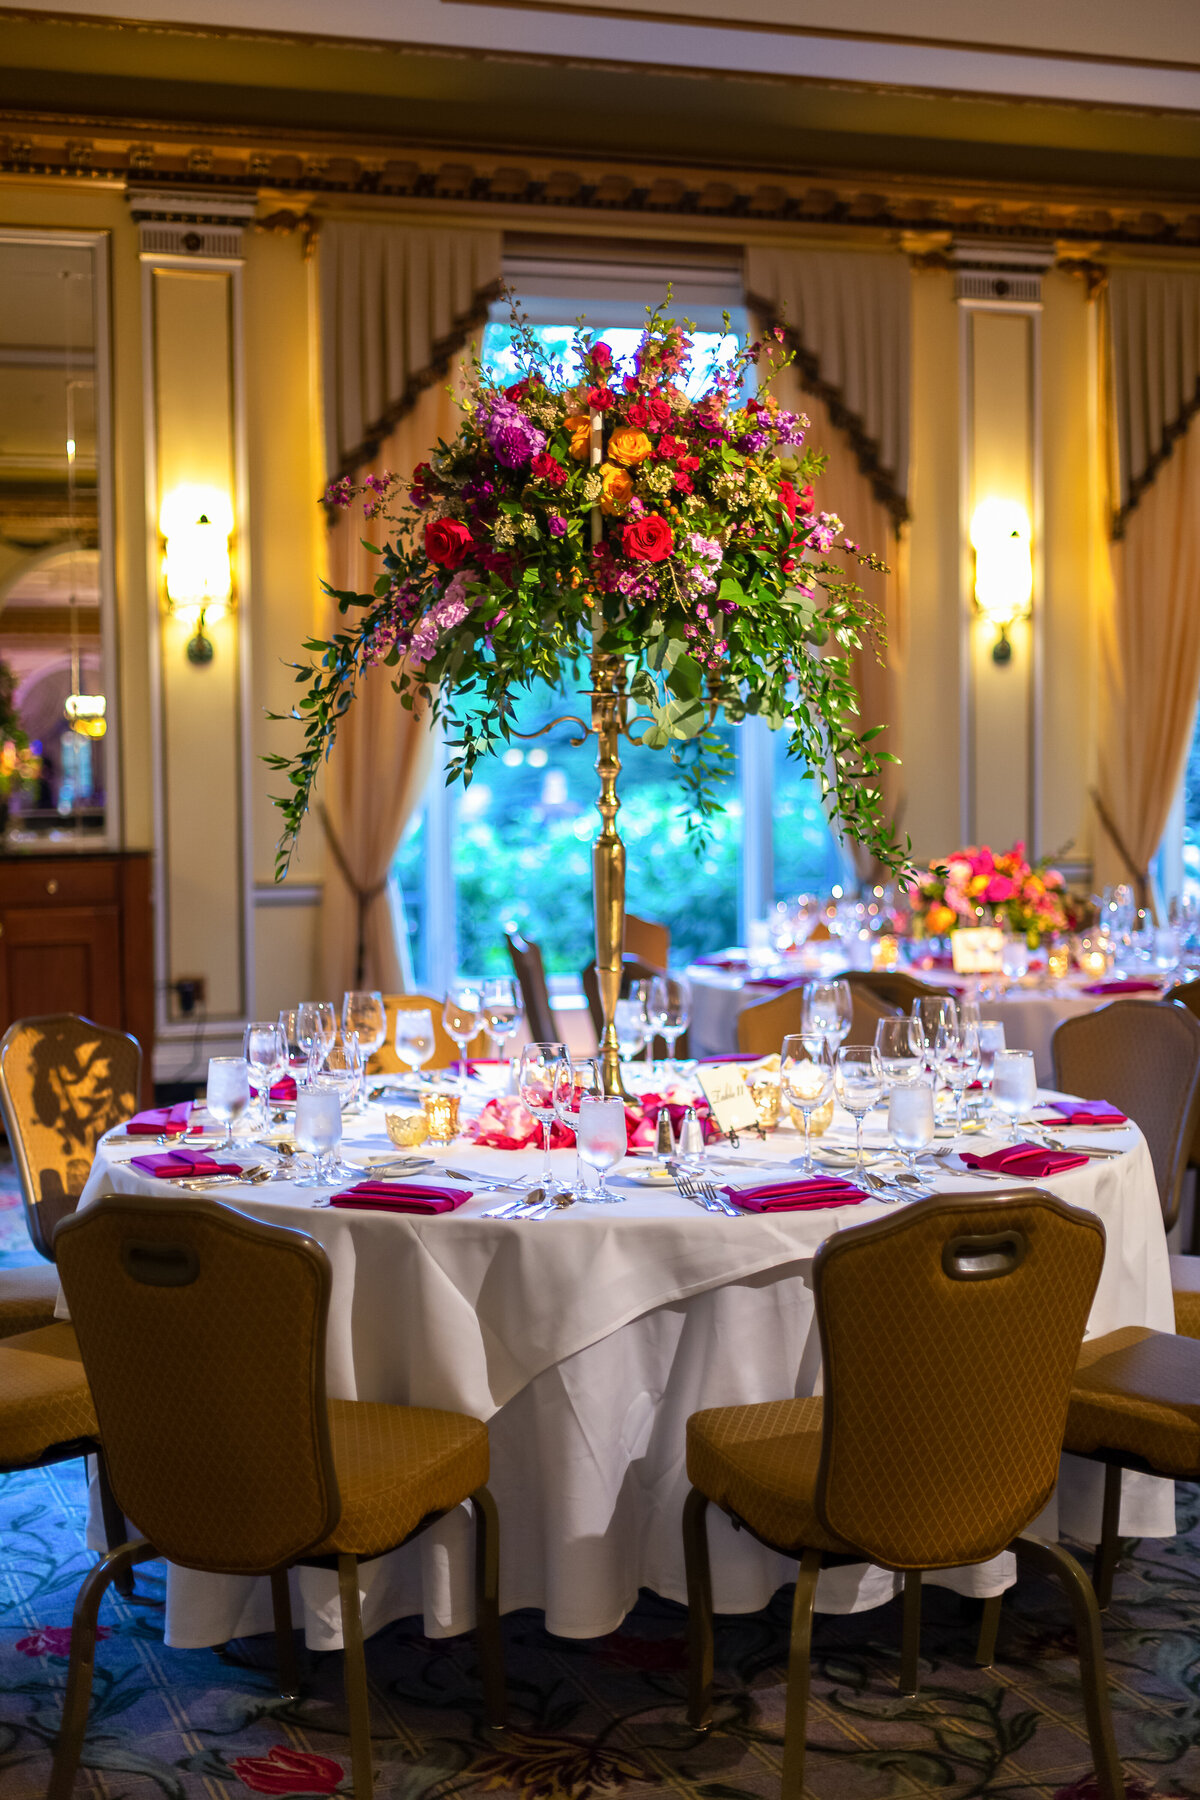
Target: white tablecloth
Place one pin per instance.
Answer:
(1030, 1016)
(585, 1341)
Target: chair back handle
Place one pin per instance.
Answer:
(160, 1265)
(975, 1258)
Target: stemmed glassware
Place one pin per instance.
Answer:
(364, 1015)
(318, 1129)
(265, 1049)
(414, 1036)
(639, 994)
(578, 1079)
(929, 1016)
(289, 1024)
(501, 1011)
(631, 1027)
(910, 1119)
(228, 1093)
(1014, 1086)
(601, 1139)
(857, 1085)
(828, 1007)
(991, 1039)
(806, 1075)
(537, 1081)
(901, 1057)
(341, 1075)
(957, 1051)
(460, 1016)
(316, 1028)
(668, 1008)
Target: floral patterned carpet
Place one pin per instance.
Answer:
(596, 1718)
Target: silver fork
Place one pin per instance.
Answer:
(713, 1194)
(703, 1192)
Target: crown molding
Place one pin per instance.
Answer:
(219, 173)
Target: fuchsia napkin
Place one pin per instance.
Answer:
(1087, 1112)
(283, 1093)
(1030, 1162)
(777, 981)
(1123, 987)
(170, 1164)
(158, 1119)
(402, 1196)
(796, 1196)
(721, 962)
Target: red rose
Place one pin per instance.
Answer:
(649, 539)
(684, 483)
(787, 499)
(602, 355)
(547, 468)
(286, 1771)
(637, 414)
(601, 398)
(448, 542)
(659, 408)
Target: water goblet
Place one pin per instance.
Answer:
(900, 1051)
(828, 1007)
(929, 1015)
(415, 1042)
(857, 1086)
(910, 1119)
(669, 1008)
(957, 1052)
(1014, 958)
(806, 1076)
(536, 1081)
(639, 995)
(631, 1028)
(319, 1132)
(364, 1014)
(461, 1017)
(289, 1024)
(602, 1141)
(228, 1093)
(1014, 1085)
(991, 1039)
(264, 1047)
(578, 1078)
(501, 1011)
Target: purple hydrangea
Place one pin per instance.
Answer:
(515, 440)
(556, 525)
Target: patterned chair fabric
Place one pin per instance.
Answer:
(64, 1082)
(1136, 1398)
(1185, 1287)
(445, 1050)
(45, 1404)
(28, 1298)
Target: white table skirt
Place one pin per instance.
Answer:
(586, 1341)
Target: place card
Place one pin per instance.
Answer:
(729, 1099)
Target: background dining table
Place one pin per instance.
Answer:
(585, 1340)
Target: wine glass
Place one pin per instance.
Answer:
(898, 1049)
(536, 1082)
(228, 1093)
(910, 1119)
(414, 1036)
(264, 1047)
(828, 1007)
(364, 1014)
(501, 1011)
(991, 1039)
(578, 1078)
(1014, 1085)
(460, 1016)
(631, 1028)
(318, 1129)
(316, 1029)
(806, 1074)
(857, 1085)
(929, 1015)
(601, 1140)
(289, 1024)
(668, 1008)
(957, 1051)
(639, 995)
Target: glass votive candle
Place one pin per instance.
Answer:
(820, 1119)
(885, 952)
(1093, 955)
(406, 1128)
(441, 1117)
(764, 1091)
(1058, 960)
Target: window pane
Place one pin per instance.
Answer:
(1191, 822)
(409, 871)
(807, 855)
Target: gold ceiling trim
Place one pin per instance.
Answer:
(315, 169)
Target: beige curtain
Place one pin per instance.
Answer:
(1150, 616)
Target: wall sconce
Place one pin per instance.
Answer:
(196, 524)
(1003, 568)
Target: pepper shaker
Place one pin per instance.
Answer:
(664, 1142)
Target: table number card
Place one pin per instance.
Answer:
(730, 1100)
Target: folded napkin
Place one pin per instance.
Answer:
(1132, 986)
(1086, 1112)
(283, 1093)
(1030, 1162)
(721, 962)
(796, 1196)
(775, 981)
(170, 1164)
(402, 1196)
(159, 1119)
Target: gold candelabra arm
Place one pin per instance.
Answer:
(567, 719)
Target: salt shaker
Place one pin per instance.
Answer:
(664, 1142)
(691, 1135)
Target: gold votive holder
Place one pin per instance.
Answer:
(885, 951)
(441, 1117)
(765, 1094)
(406, 1129)
(820, 1121)
(1058, 961)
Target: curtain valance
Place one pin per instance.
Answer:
(846, 314)
(397, 305)
(1154, 323)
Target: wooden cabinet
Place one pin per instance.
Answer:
(76, 935)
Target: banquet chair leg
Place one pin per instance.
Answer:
(1104, 1566)
(83, 1657)
(116, 1531)
(989, 1626)
(799, 1672)
(287, 1665)
(357, 1703)
(700, 1609)
(910, 1644)
(488, 1637)
(1093, 1672)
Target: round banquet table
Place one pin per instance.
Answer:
(1030, 1015)
(586, 1340)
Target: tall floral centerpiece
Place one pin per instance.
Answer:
(595, 527)
(980, 886)
(20, 761)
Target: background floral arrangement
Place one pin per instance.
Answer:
(711, 578)
(978, 887)
(20, 762)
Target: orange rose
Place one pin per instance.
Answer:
(616, 491)
(939, 919)
(628, 445)
(580, 427)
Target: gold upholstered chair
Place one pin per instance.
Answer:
(896, 987)
(1144, 1056)
(445, 1050)
(761, 1028)
(949, 1338)
(203, 1336)
(530, 971)
(1135, 1404)
(649, 940)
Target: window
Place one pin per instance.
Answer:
(515, 847)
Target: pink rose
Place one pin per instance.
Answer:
(999, 889)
